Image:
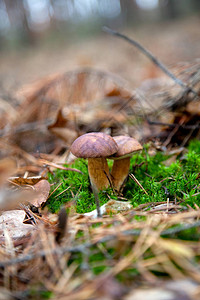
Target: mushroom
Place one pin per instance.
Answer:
(96, 147)
(126, 147)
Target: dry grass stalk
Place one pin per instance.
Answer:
(143, 241)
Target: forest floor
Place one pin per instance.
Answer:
(146, 244)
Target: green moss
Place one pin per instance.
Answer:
(36, 293)
(75, 187)
(178, 181)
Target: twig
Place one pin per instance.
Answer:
(56, 166)
(63, 191)
(55, 190)
(138, 183)
(170, 136)
(150, 122)
(152, 58)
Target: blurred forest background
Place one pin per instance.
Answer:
(45, 36)
(27, 22)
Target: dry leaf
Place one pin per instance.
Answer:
(26, 181)
(10, 199)
(64, 127)
(12, 221)
(114, 206)
(42, 188)
(111, 207)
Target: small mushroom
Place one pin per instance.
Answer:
(127, 146)
(96, 147)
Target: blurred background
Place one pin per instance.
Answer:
(26, 22)
(45, 46)
(41, 37)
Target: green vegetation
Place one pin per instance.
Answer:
(179, 181)
(77, 188)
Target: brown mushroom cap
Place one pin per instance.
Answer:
(126, 146)
(93, 145)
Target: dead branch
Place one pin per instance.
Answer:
(152, 58)
(191, 127)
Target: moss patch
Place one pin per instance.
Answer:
(178, 181)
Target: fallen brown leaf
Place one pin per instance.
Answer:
(42, 188)
(64, 127)
(12, 222)
(26, 181)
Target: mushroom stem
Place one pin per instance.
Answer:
(99, 173)
(99, 177)
(120, 172)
